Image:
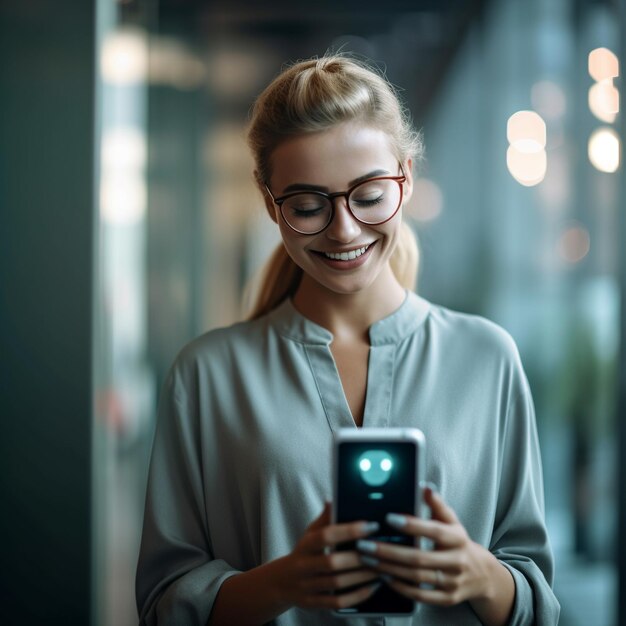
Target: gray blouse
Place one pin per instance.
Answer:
(241, 460)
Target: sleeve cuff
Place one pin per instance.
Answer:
(523, 606)
(188, 600)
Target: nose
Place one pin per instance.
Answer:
(343, 227)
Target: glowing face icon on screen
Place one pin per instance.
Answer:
(375, 467)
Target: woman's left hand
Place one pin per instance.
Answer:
(458, 568)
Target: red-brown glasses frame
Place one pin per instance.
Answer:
(339, 194)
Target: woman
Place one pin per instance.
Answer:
(241, 461)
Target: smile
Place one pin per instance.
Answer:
(346, 256)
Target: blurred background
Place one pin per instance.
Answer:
(130, 224)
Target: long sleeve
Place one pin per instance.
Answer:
(177, 577)
(519, 538)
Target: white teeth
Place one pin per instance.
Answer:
(346, 256)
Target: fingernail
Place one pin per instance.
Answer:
(370, 527)
(369, 561)
(375, 587)
(430, 487)
(366, 546)
(396, 520)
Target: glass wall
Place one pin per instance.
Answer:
(518, 226)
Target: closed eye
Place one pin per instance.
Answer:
(364, 202)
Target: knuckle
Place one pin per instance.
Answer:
(334, 582)
(328, 561)
(354, 532)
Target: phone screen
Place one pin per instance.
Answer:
(373, 479)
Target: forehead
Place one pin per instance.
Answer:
(332, 157)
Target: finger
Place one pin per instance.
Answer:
(429, 596)
(339, 581)
(440, 510)
(446, 560)
(341, 601)
(334, 534)
(417, 576)
(323, 519)
(337, 561)
(445, 535)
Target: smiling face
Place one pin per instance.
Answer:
(348, 256)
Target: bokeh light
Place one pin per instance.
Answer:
(548, 99)
(574, 244)
(426, 203)
(603, 64)
(528, 168)
(526, 131)
(123, 148)
(604, 149)
(604, 100)
(124, 59)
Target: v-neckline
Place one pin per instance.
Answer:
(348, 356)
(378, 393)
(385, 335)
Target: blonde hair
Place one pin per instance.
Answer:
(312, 96)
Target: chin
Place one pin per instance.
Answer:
(343, 287)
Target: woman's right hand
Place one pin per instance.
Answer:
(309, 573)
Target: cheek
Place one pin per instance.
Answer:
(294, 244)
(393, 232)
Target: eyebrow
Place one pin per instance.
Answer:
(360, 179)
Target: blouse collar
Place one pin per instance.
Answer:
(405, 320)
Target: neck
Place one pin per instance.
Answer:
(348, 316)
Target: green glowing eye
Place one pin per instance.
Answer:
(375, 467)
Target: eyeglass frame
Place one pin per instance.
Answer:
(338, 194)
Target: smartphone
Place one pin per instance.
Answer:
(378, 471)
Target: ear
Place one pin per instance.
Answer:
(407, 166)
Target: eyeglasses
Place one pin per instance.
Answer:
(373, 201)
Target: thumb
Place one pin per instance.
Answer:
(323, 519)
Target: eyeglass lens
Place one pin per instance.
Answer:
(372, 202)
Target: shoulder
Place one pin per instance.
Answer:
(218, 348)
(473, 336)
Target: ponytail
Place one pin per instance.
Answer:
(405, 258)
(277, 280)
(280, 276)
